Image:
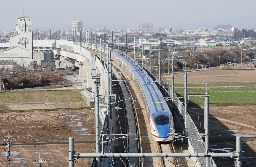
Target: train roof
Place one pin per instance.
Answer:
(154, 97)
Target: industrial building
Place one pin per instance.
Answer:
(146, 27)
(77, 26)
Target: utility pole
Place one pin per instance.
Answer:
(229, 41)
(8, 151)
(241, 56)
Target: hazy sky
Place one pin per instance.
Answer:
(57, 14)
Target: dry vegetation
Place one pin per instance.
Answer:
(55, 126)
(215, 76)
(18, 75)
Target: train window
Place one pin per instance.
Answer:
(161, 119)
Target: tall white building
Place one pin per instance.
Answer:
(77, 26)
(21, 43)
(146, 27)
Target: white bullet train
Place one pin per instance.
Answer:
(159, 115)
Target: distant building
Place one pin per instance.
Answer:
(77, 26)
(161, 30)
(20, 47)
(129, 30)
(233, 29)
(146, 27)
(207, 43)
(166, 30)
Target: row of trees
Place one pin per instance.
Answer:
(17, 76)
(212, 58)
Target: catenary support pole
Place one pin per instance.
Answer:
(112, 38)
(238, 152)
(80, 39)
(134, 57)
(159, 64)
(100, 50)
(185, 103)
(172, 77)
(206, 127)
(110, 82)
(108, 92)
(71, 152)
(118, 41)
(150, 52)
(142, 50)
(97, 108)
(96, 44)
(126, 43)
(91, 42)
(104, 50)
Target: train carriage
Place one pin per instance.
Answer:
(159, 115)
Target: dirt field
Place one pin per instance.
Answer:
(226, 123)
(214, 76)
(56, 126)
(44, 127)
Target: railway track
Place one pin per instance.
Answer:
(167, 148)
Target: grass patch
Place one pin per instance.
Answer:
(3, 107)
(54, 87)
(41, 96)
(216, 85)
(228, 96)
(200, 91)
(44, 110)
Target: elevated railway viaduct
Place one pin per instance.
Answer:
(135, 112)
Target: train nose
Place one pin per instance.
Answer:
(163, 130)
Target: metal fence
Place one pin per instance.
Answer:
(194, 138)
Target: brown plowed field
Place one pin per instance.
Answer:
(215, 76)
(47, 127)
